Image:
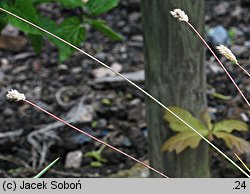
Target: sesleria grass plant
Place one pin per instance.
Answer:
(181, 16)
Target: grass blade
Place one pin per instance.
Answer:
(46, 168)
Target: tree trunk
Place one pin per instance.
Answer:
(175, 74)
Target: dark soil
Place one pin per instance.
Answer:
(114, 112)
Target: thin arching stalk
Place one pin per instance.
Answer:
(243, 69)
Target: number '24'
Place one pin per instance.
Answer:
(240, 185)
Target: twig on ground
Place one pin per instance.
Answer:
(15, 160)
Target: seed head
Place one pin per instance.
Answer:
(227, 53)
(14, 95)
(180, 15)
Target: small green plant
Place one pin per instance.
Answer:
(73, 29)
(106, 101)
(186, 138)
(231, 33)
(96, 155)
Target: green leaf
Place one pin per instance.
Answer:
(232, 33)
(221, 96)
(71, 3)
(241, 145)
(5, 3)
(96, 155)
(26, 10)
(46, 169)
(101, 26)
(182, 141)
(36, 42)
(96, 7)
(106, 102)
(41, 1)
(65, 3)
(3, 16)
(3, 21)
(178, 126)
(71, 29)
(230, 125)
(49, 25)
(96, 164)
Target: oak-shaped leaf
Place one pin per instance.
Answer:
(178, 126)
(233, 142)
(183, 140)
(229, 125)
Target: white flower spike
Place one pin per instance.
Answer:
(227, 53)
(180, 15)
(14, 95)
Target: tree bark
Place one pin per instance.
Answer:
(175, 74)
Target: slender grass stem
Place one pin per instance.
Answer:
(221, 64)
(94, 138)
(243, 69)
(133, 84)
(242, 162)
